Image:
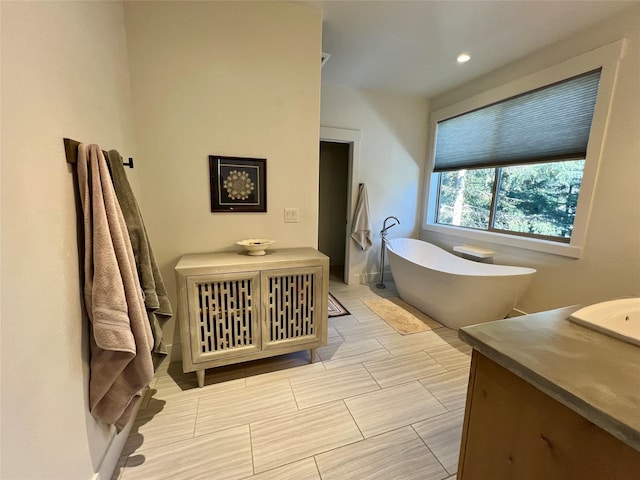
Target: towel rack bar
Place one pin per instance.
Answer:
(71, 152)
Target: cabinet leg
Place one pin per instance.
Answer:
(200, 375)
(312, 354)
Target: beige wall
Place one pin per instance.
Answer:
(64, 73)
(224, 78)
(392, 156)
(610, 265)
(238, 79)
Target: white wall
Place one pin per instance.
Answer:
(64, 74)
(610, 265)
(392, 157)
(224, 78)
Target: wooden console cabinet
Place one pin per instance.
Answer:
(234, 307)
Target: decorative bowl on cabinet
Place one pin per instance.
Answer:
(256, 246)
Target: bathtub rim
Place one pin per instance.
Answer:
(479, 269)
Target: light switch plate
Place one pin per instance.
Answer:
(291, 215)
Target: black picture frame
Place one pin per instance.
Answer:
(238, 184)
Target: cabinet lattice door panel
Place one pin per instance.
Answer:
(224, 315)
(292, 306)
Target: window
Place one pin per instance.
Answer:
(534, 145)
(517, 165)
(538, 200)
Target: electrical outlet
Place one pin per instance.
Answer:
(291, 215)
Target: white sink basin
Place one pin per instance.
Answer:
(616, 318)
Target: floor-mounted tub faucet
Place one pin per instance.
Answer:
(383, 234)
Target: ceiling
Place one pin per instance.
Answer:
(411, 46)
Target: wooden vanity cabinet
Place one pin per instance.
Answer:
(234, 307)
(514, 431)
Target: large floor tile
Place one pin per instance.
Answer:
(442, 434)
(330, 385)
(332, 332)
(402, 369)
(450, 387)
(303, 470)
(159, 409)
(176, 385)
(450, 357)
(285, 374)
(368, 329)
(405, 344)
(342, 354)
(353, 291)
(243, 406)
(327, 351)
(451, 337)
(344, 321)
(161, 423)
(360, 310)
(223, 455)
(397, 455)
(289, 438)
(277, 363)
(393, 407)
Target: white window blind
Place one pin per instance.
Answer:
(548, 124)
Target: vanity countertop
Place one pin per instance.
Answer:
(594, 375)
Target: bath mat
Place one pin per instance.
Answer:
(402, 316)
(335, 307)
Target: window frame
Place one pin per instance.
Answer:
(607, 58)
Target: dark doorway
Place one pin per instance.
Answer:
(332, 215)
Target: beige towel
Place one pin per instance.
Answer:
(361, 228)
(155, 295)
(121, 340)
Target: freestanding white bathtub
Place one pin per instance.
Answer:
(454, 291)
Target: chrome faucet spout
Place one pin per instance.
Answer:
(383, 232)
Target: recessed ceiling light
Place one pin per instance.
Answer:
(463, 58)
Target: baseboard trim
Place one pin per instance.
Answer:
(114, 451)
(516, 313)
(116, 446)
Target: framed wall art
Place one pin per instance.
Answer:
(238, 184)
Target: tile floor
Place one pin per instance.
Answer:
(376, 405)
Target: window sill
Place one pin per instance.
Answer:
(544, 246)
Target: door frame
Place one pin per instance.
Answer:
(353, 138)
